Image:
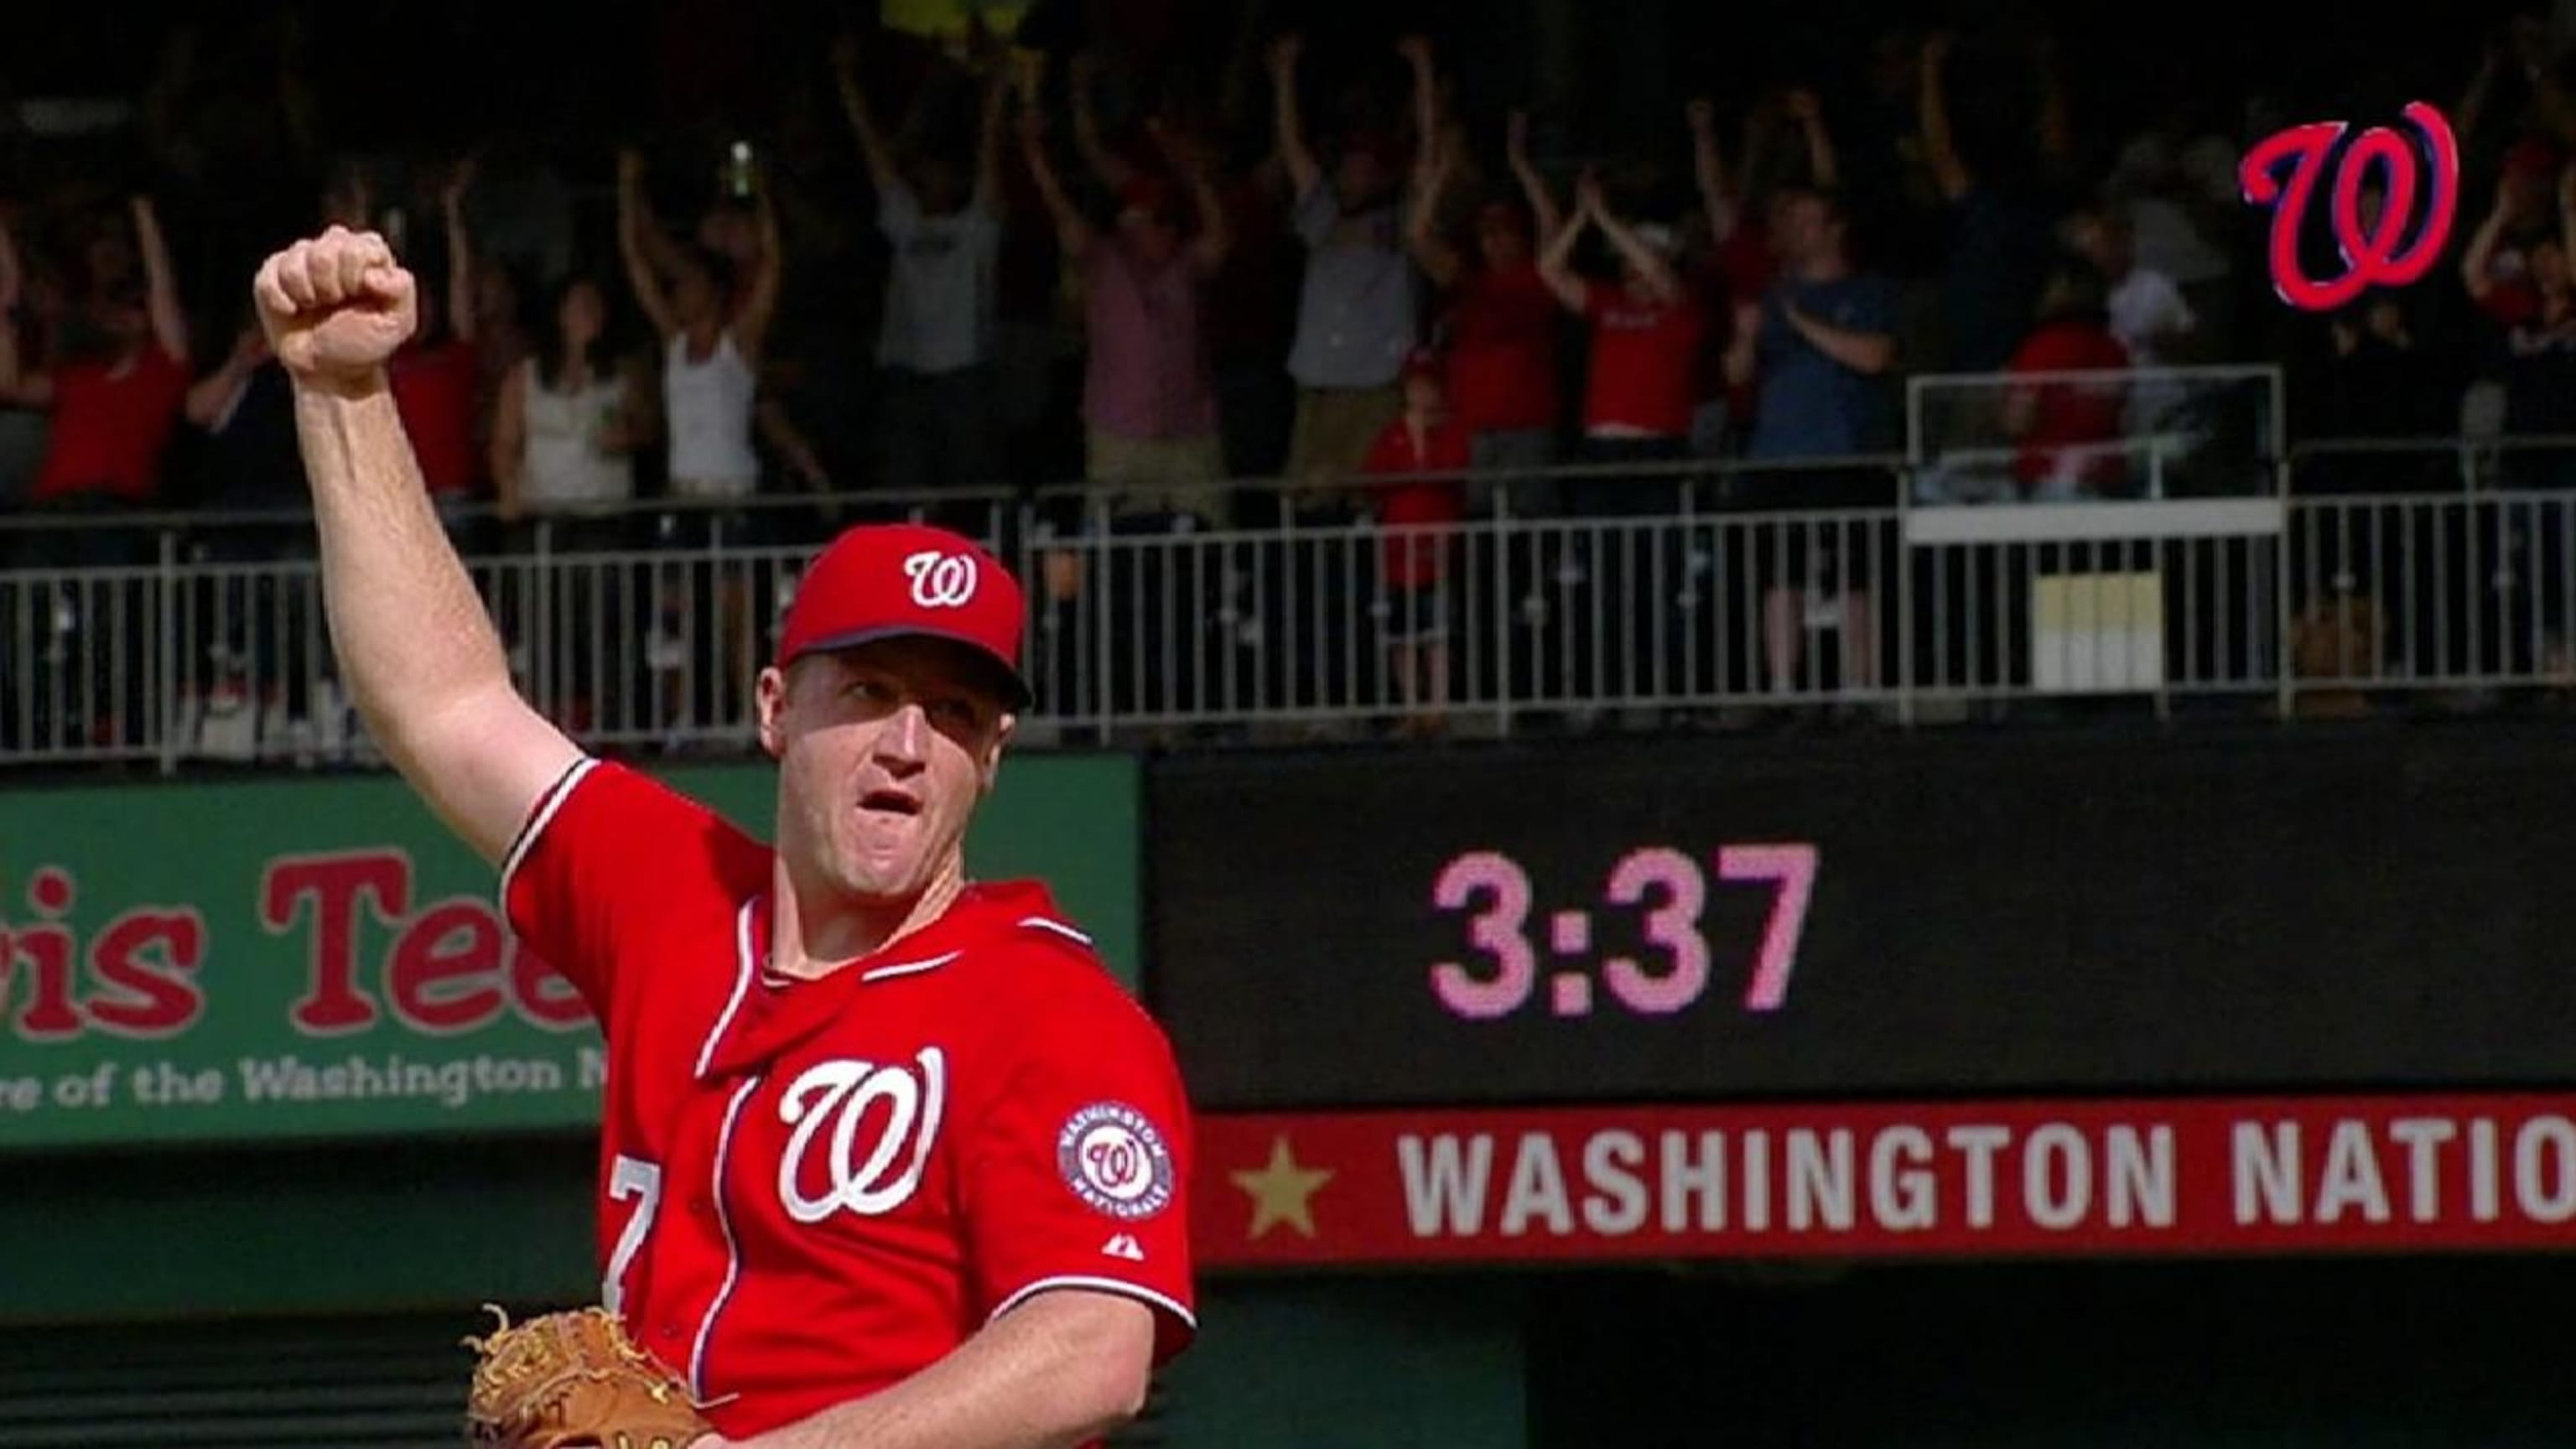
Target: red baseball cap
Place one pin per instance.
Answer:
(883, 580)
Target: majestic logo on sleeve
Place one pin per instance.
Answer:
(862, 1134)
(1113, 1158)
(940, 580)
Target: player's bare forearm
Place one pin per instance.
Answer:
(1060, 1369)
(415, 645)
(410, 629)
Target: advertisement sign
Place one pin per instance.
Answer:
(297, 957)
(1694, 919)
(2101, 1178)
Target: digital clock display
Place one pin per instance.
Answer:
(1719, 920)
(1667, 890)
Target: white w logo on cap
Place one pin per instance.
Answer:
(940, 580)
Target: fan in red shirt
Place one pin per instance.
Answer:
(112, 413)
(1427, 451)
(2497, 265)
(1646, 333)
(437, 378)
(1501, 325)
(2071, 432)
(885, 1151)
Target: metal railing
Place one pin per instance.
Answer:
(1687, 590)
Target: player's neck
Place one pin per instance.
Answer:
(815, 932)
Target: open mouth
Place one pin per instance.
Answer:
(892, 802)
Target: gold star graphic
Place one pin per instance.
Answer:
(1281, 1191)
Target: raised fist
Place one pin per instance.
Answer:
(336, 306)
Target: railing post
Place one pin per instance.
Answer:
(2285, 605)
(1903, 643)
(1506, 604)
(1023, 555)
(724, 628)
(1099, 653)
(539, 611)
(165, 693)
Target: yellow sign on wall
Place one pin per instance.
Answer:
(949, 21)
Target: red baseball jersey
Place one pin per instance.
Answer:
(808, 1190)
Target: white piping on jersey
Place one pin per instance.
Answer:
(933, 963)
(1059, 927)
(537, 824)
(1105, 1285)
(733, 1252)
(908, 968)
(741, 983)
(930, 963)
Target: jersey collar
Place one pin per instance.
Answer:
(771, 1019)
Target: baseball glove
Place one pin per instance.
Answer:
(574, 1378)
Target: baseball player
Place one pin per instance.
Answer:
(887, 1157)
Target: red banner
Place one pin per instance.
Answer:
(2096, 1178)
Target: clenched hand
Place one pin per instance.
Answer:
(335, 307)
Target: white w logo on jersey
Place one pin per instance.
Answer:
(865, 1178)
(940, 580)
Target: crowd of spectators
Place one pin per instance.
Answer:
(1150, 255)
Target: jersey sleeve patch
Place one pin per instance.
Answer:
(1115, 1160)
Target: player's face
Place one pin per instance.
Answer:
(883, 752)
